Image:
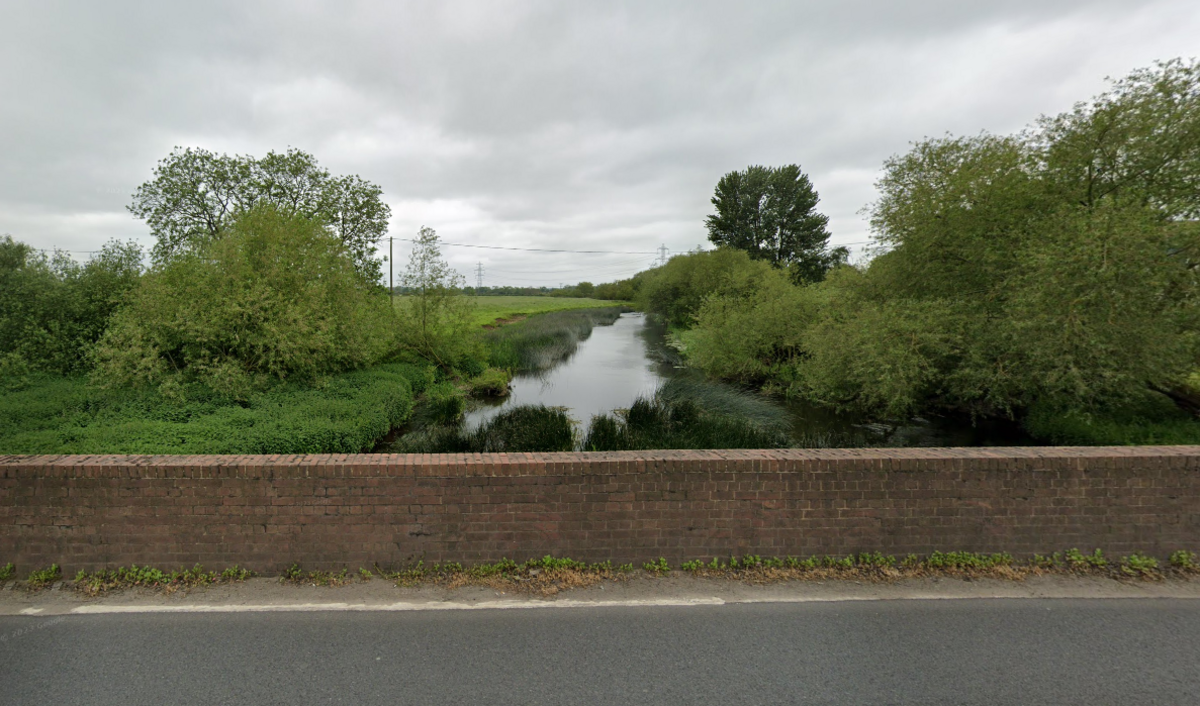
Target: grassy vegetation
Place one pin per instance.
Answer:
(525, 428)
(1153, 419)
(541, 341)
(104, 580)
(687, 414)
(490, 309)
(344, 413)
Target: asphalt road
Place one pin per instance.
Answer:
(886, 652)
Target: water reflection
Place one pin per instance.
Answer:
(617, 363)
(608, 371)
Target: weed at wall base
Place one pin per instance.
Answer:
(98, 582)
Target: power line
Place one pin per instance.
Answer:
(578, 252)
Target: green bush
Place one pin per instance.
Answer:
(492, 382)
(53, 310)
(274, 298)
(347, 413)
(677, 289)
(1151, 420)
(444, 403)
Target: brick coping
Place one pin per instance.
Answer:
(385, 459)
(596, 462)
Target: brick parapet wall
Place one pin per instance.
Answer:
(332, 511)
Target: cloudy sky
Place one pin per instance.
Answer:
(553, 125)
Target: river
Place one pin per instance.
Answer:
(619, 362)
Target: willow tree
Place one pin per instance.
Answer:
(435, 315)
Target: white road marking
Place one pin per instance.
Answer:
(439, 605)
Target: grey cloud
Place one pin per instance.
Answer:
(534, 124)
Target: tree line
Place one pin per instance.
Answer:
(1048, 275)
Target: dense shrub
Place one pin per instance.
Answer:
(1054, 269)
(348, 413)
(53, 310)
(274, 298)
(677, 289)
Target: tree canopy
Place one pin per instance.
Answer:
(770, 212)
(276, 297)
(435, 319)
(1054, 268)
(195, 194)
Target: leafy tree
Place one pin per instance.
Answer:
(53, 309)
(435, 315)
(1055, 269)
(275, 297)
(771, 214)
(677, 289)
(195, 194)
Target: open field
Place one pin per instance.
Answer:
(489, 309)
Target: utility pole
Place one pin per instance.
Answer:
(478, 277)
(391, 270)
(662, 255)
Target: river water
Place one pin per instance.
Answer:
(619, 362)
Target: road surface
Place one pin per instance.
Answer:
(979, 651)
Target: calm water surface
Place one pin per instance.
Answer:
(618, 363)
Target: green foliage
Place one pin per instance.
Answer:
(524, 428)
(677, 289)
(1078, 560)
(1051, 271)
(442, 404)
(688, 415)
(44, 577)
(294, 574)
(967, 560)
(1153, 419)
(539, 342)
(770, 213)
(100, 581)
(53, 310)
(275, 298)
(621, 290)
(436, 318)
(347, 413)
(492, 382)
(196, 195)
(657, 567)
(756, 336)
(1182, 560)
(1139, 564)
(7, 571)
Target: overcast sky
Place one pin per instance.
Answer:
(577, 125)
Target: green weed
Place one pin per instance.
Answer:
(1182, 560)
(44, 577)
(657, 567)
(1078, 560)
(102, 580)
(1138, 564)
(7, 571)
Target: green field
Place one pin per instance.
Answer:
(488, 309)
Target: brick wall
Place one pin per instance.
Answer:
(333, 511)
